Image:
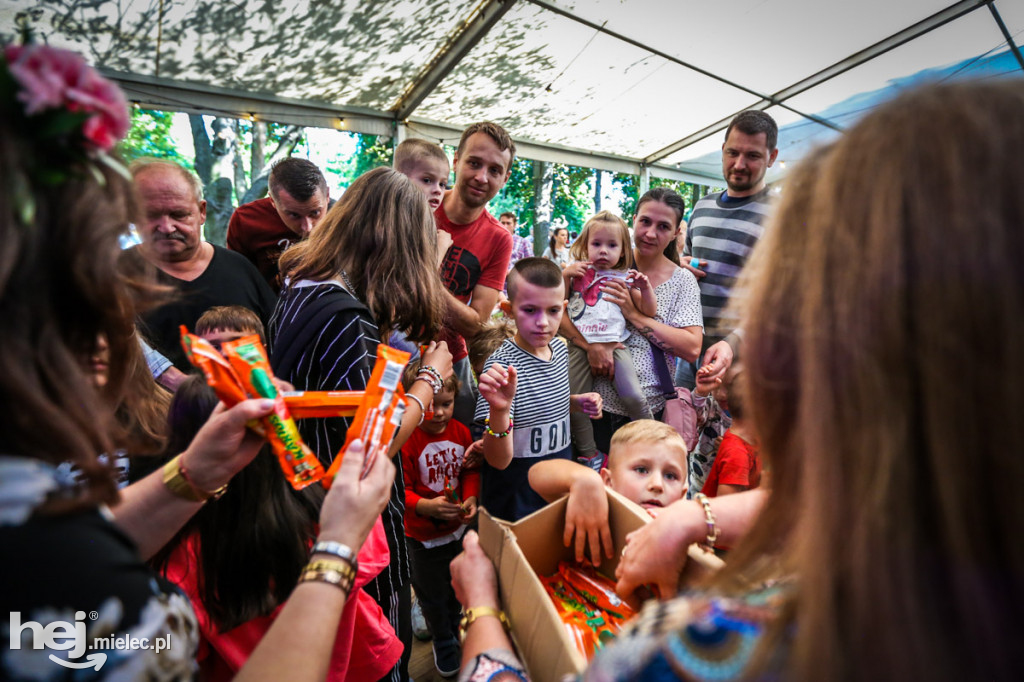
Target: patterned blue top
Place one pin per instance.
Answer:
(693, 637)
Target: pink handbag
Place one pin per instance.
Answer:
(679, 413)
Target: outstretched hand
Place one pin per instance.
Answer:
(224, 446)
(656, 553)
(586, 518)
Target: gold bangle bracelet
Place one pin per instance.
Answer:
(177, 481)
(475, 612)
(337, 573)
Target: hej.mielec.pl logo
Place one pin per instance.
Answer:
(67, 636)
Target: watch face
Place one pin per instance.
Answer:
(576, 306)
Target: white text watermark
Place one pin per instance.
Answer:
(71, 637)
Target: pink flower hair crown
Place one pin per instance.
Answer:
(66, 109)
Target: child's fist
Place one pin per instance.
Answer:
(640, 280)
(498, 386)
(469, 510)
(589, 404)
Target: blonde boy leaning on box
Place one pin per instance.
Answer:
(646, 464)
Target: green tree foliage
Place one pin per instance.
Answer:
(517, 196)
(573, 196)
(372, 151)
(629, 185)
(150, 136)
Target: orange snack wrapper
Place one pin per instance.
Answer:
(596, 590)
(591, 612)
(380, 411)
(249, 360)
(220, 376)
(218, 371)
(319, 404)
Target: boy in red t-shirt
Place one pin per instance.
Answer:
(737, 466)
(441, 488)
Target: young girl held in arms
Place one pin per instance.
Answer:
(602, 254)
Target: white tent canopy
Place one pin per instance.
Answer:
(635, 86)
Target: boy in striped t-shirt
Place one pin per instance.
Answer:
(524, 392)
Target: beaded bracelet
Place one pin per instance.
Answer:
(489, 432)
(435, 384)
(423, 410)
(709, 519)
(432, 371)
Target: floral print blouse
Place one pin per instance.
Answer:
(75, 587)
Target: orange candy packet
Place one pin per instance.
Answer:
(380, 411)
(249, 360)
(217, 370)
(321, 404)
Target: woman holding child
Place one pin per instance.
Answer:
(677, 329)
(889, 546)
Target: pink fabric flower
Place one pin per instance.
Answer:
(51, 78)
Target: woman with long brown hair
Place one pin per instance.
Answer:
(883, 331)
(369, 269)
(72, 577)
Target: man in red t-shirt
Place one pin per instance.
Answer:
(474, 268)
(261, 230)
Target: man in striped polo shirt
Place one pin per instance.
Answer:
(725, 226)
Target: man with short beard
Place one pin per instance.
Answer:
(724, 227)
(204, 275)
(474, 268)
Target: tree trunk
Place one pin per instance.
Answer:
(204, 153)
(597, 190)
(543, 186)
(258, 189)
(238, 165)
(258, 155)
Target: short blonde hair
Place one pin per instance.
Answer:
(648, 431)
(413, 150)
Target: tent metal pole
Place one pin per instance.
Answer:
(465, 37)
(1006, 34)
(940, 18)
(675, 60)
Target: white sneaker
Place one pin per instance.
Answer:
(419, 624)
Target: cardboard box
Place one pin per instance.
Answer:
(533, 546)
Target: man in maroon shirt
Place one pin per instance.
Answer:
(261, 230)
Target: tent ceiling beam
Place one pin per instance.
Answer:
(470, 31)
(940, 18)
(571, 156)
(196, 98)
